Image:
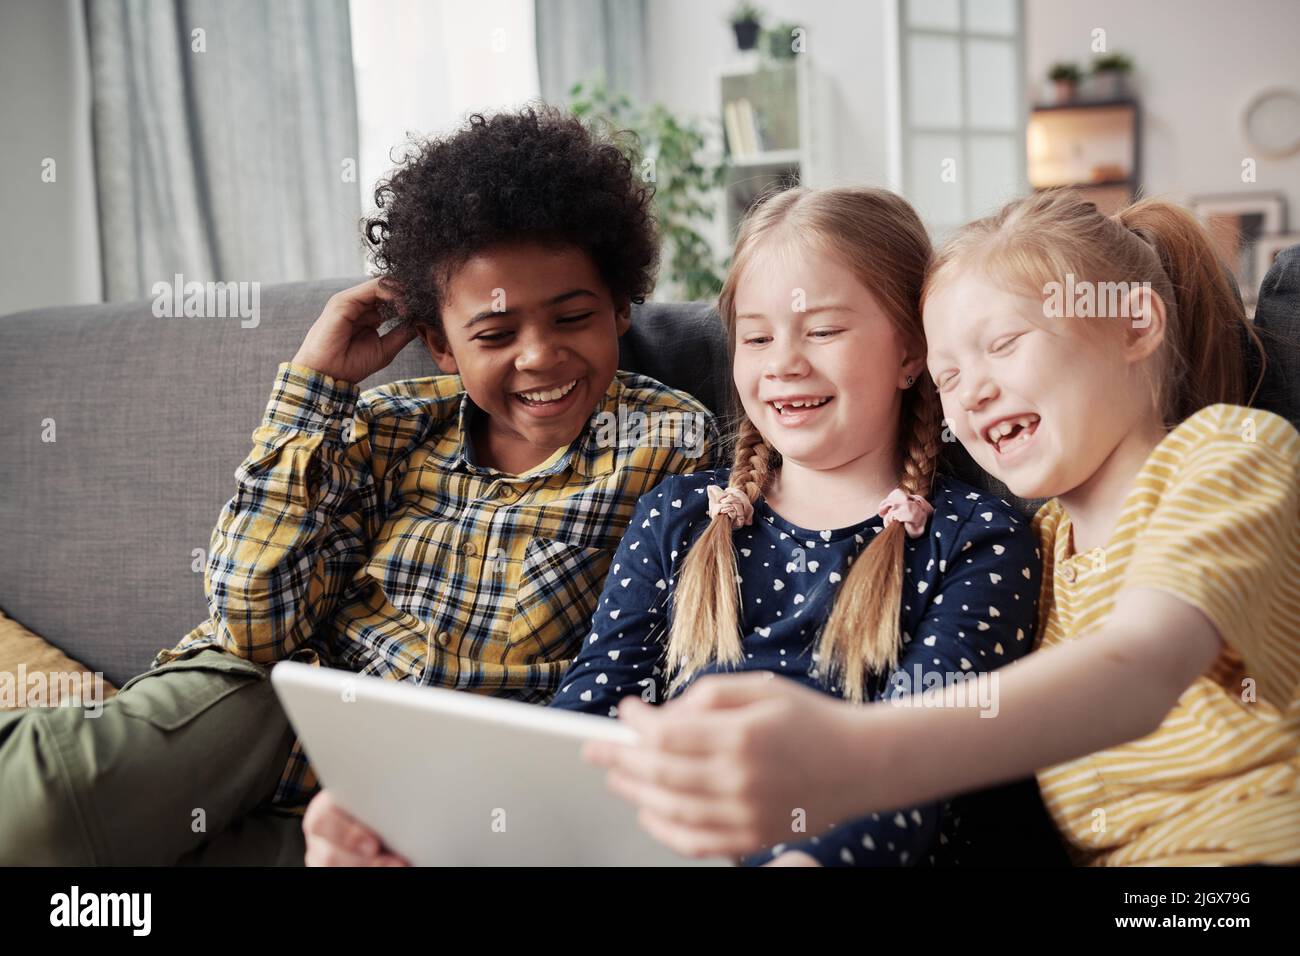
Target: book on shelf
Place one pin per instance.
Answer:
(731, 122)
(745, 135)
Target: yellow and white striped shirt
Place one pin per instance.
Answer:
(1213, 518)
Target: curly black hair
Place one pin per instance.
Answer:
(539, 174)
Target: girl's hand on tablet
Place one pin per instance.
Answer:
(334, 838)
(739, 762)
(793, 858)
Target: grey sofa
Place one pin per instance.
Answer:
(151, 416)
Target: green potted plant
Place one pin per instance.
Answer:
(746, 22)
(672, 154)
(778, 42)
(1065, 82)
(1110, 76)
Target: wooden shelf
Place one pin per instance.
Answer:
(1085, 105)
(1128, 181)
(1071, 143)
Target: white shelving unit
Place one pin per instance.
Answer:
(775, 137)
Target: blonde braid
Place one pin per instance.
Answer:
(921, 451)
(751, 470)
(861, 635)
(706, 622)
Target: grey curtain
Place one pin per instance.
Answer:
(580, 39)
(222, 131)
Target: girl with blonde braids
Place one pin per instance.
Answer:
(829, 553)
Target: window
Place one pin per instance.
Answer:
(961, 68)
(421, 67)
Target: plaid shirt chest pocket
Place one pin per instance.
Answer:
(559, 585)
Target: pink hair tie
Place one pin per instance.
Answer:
(911, 511)
(733, 503)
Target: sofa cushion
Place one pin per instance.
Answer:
(682, 345)
(121, 439)
(1277, 320)
(24, 654)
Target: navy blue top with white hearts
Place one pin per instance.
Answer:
(970, 599)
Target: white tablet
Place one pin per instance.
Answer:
(459, 779)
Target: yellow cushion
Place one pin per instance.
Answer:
(24, 654)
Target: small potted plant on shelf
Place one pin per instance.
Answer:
(745, 20)
(780, 42)
(1110, 76)
(1065, 82)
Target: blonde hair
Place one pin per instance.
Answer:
(879, 237)
(1042, 238)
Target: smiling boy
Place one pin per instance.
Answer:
(452, 530)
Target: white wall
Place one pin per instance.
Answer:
(50, 253)
(1197, 64)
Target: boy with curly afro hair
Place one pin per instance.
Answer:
(453, 530)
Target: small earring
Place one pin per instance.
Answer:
(910, 380)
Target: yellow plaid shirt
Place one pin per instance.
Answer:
(363, 536)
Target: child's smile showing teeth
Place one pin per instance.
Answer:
(1010, 434)
(547, 400)
(796, 409)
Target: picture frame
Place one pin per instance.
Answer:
(1236, 223)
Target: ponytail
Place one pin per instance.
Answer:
(1209, 332)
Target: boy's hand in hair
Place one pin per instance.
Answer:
(344, 341)
(336, 838)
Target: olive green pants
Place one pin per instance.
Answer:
(179, 767)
